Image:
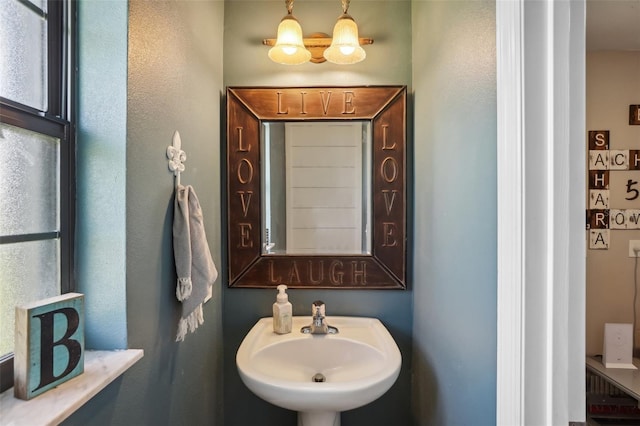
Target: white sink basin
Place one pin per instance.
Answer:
(359, 364)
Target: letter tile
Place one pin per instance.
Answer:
(598, 198)
(619, 159)
(598, 160)
(633, 218)
(599, 239)
(617, 219)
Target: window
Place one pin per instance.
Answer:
(37, 171)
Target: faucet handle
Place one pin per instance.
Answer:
(318, 307)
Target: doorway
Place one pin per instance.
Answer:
(613, 209)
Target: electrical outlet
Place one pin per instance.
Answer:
(634, 248)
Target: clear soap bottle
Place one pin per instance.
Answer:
(282, 312)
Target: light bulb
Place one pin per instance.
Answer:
(347, 50)
(289, 50)
(345, 47)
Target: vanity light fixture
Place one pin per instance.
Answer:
(290, 48)
(345, 48)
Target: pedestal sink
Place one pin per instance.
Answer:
(319, 375)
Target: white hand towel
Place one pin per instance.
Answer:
(194, 264)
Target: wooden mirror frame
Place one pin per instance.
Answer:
(385, 107)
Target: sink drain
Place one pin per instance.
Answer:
(319, 378)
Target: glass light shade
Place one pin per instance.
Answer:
(289, 48)
(345, 47)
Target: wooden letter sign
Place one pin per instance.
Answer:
(49, 344)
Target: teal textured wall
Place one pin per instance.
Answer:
(173, 81)
(101, 171)
(455, 238)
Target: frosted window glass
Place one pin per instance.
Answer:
(29, 172)
(23, 47)
(28, 272)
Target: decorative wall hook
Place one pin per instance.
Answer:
(176, 157)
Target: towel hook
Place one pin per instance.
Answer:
(176, 157)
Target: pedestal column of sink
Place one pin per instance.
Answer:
(319, 418)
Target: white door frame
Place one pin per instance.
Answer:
(541, 243)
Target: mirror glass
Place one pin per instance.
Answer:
(316, 187)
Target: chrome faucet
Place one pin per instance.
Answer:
(318, 324)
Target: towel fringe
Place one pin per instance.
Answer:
(183, 288)
(190, 323)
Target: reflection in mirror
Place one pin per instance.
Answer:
(316, 187)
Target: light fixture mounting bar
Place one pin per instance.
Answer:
(317, 43)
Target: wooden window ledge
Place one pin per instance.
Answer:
(52, 407)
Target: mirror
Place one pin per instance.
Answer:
(316, 187)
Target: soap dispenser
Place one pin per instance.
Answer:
(282, 312)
